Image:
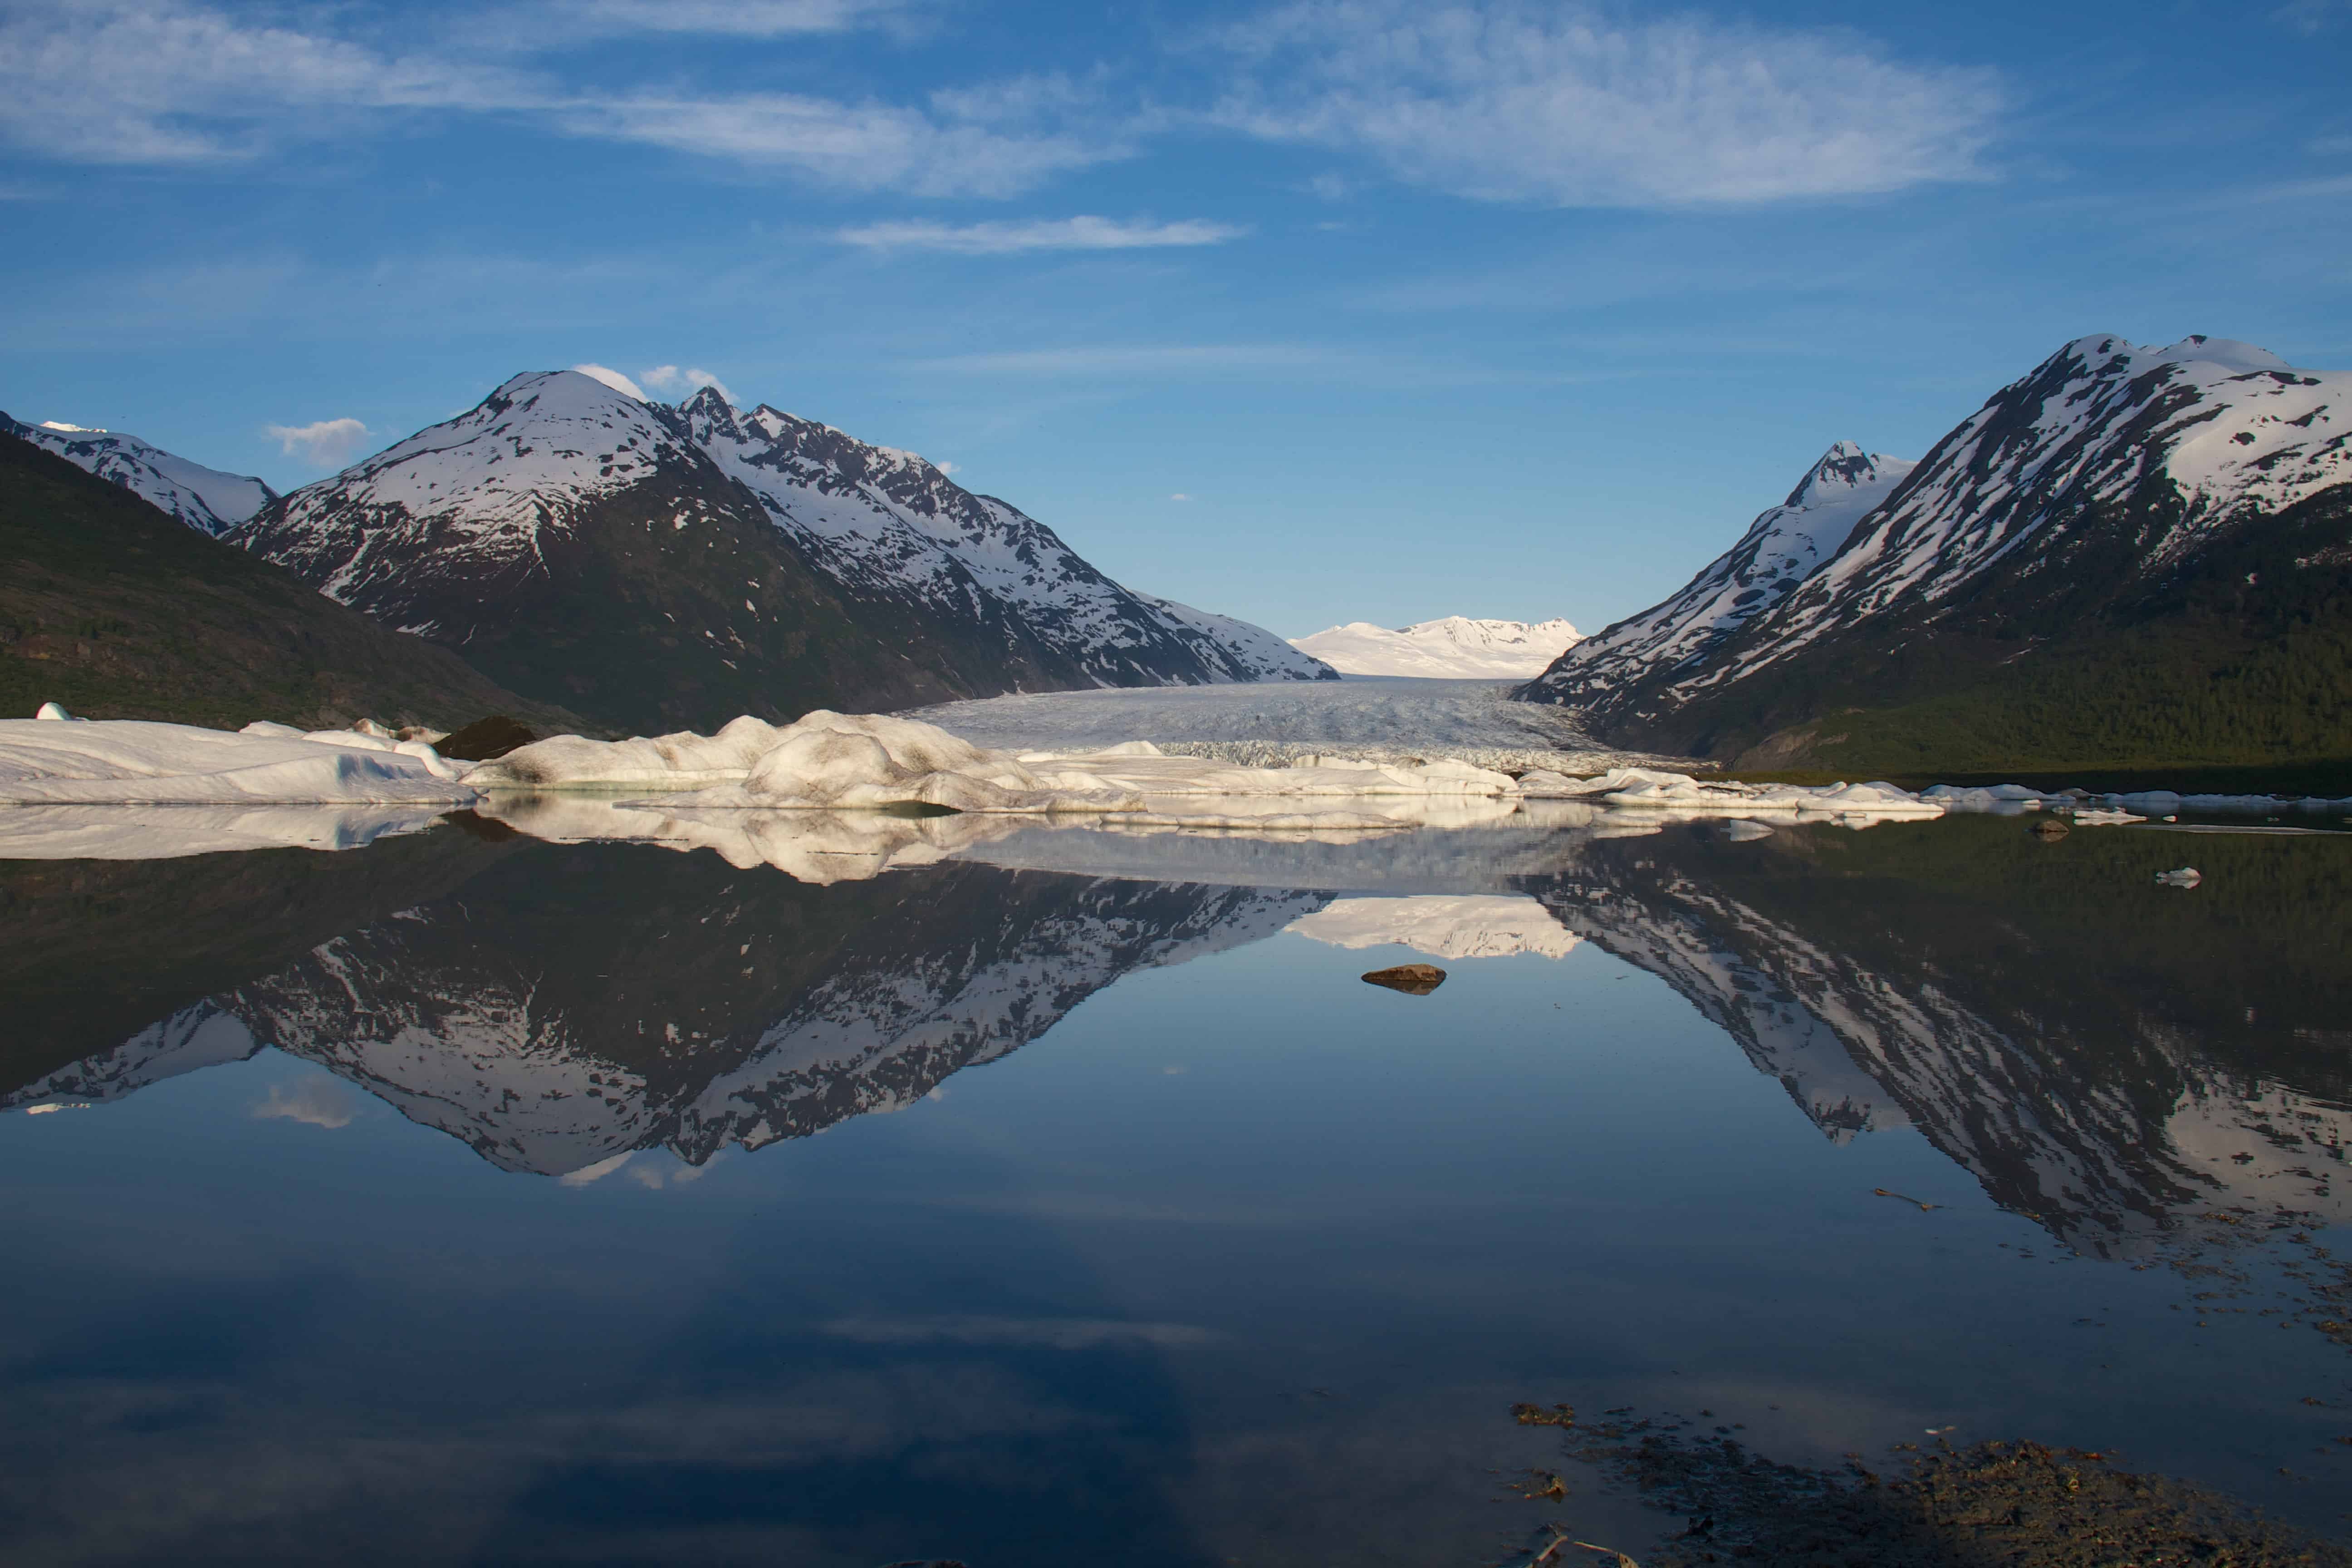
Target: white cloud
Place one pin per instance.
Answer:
(729, 19)
(670, 378)
(1180, 495)
(325, 443)
(1562, 105)
(866, 147)
(614, 379)
(950, 469)
(315, 1102)
(1043, 234)
(130, 82)
(162, 81)
(2328, 146)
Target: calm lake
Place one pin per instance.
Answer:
(471, 1198)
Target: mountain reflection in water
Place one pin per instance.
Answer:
(2099, 1052)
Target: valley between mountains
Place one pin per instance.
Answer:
(2128, 559)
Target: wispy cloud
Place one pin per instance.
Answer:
(326, 443)
(1562, 105)
(1043, 234)
(150, 81)
(160, 81)
(721, 18)
(862, 147)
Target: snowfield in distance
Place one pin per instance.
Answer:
(1454, 647)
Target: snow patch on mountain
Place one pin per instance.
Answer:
(1454, 647)
(206, 499)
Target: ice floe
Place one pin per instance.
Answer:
(55, 758)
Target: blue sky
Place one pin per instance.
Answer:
(1304, 313)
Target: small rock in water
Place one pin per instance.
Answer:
(2186, 877)
(2049, 829)
(1412, 979)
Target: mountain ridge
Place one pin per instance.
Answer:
(2067, 578)
(210, 501)
(665, 566)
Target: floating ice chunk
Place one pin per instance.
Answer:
(53, 713)
(141, 762)
(265, 727)
(2094, 816)
(2186, 877)
(1745, 831)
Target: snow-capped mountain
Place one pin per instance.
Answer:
(2078, 499)
(1454, 647)
(1784, 546)
(887, 525)
(205, 499)
(661, 565)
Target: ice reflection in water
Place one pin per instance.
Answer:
(1227, 1256)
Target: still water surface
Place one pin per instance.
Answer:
(466, 1198)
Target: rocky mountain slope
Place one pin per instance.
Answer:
(2129, 556)
(118, 611)
(664, 566)
(1783, 547)
(206, 499)
(1454, 647)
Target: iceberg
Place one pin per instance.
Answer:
(58, 759)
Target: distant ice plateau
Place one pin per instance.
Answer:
(1454, 647)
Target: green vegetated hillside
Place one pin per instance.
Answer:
(2239, 658)
(118, 611)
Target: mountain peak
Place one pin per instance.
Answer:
(1844, 467)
